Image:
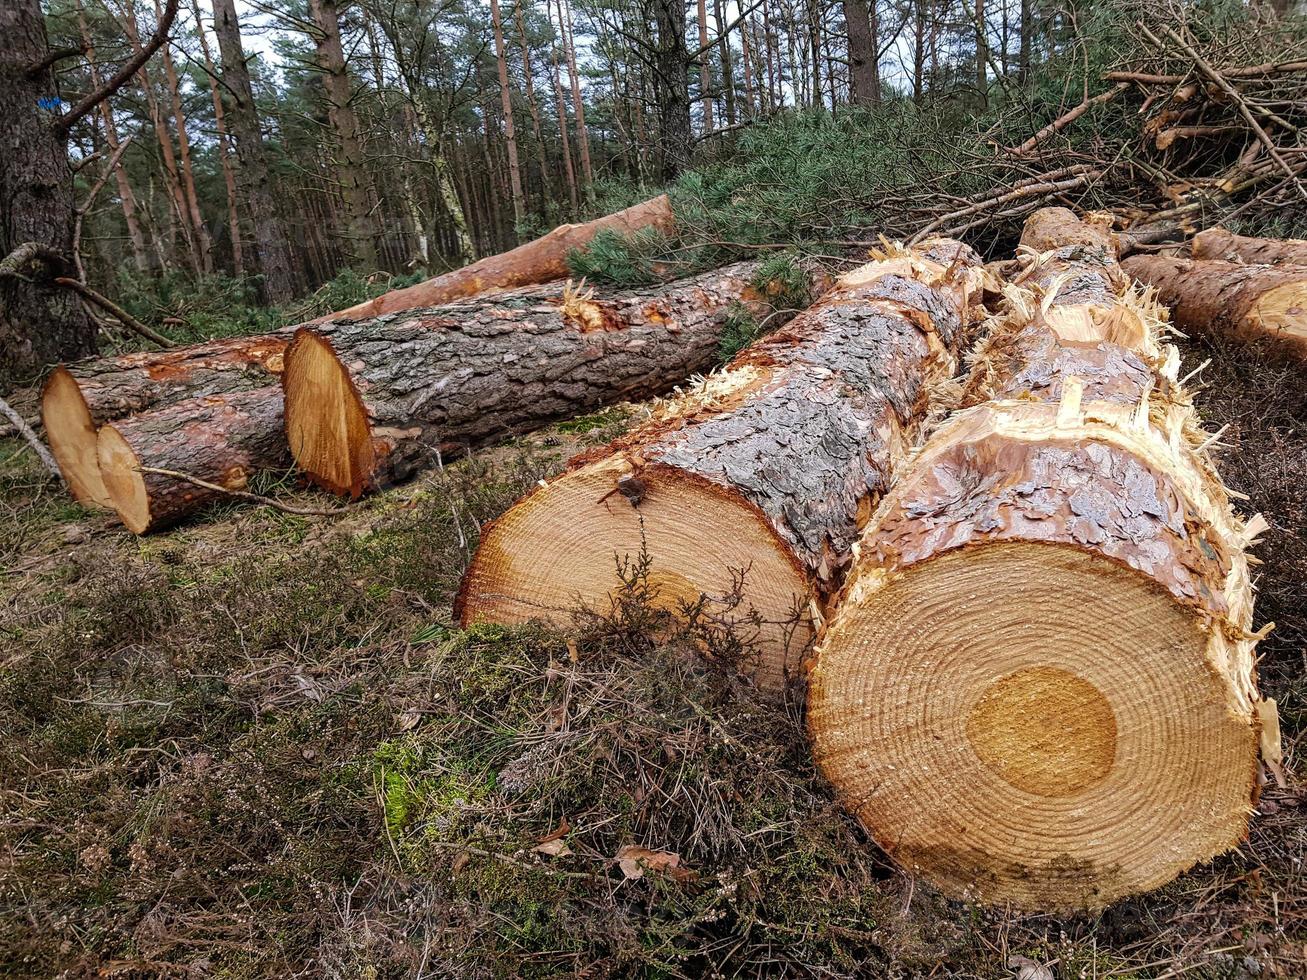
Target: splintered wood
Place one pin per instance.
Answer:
(1038, 686)
(747, 492)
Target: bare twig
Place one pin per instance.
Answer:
(1064, 120)
(114, 310)
(33, 440)
(90, 200)
(245, 494)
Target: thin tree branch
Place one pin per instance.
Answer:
(53, 58)
(245, 494)
(121, 77)
(26, 432)
(114, 310)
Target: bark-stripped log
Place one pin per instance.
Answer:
(368, 403)
(535, 262)
(1038, 685)
(1248, 302)
(79, 398)
(1225, 246)
(755, 484)
(221, 439)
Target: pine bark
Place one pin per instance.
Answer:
(672, 86)
(1217, 243)
(252, 164)
(223, 440)
(351, 168)
(864, 65)
(1229, 299)
(371, 402)
(769, 468)
(1051, 610)
(40, 322)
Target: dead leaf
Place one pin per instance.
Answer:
(1028, 969)
(460, 863)
(408, 721)
(572, 654)
(634, 860)
(554, 848)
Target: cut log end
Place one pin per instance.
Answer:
(70, 430)
(1281, 313)
(327, 422)
(1051, 731)
(561, 549)
(123, 480)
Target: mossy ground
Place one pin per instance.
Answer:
(255, 746)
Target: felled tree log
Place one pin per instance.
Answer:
(1038, 686)
(221, 439)
(81, 397)
(1217, 243)
(1247, 302)
(370, 402)
(535, 262)
(746, 493)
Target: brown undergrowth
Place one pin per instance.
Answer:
(255, 747)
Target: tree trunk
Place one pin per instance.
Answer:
(561, 109)
(510, 133)
(1227, 299)
(81, 397)
(982, 53)
(203, 240)
(747, 493)
(40, 322)
(864, 65)
(252, 169)
(222, 440)
(578, 104)
(705, 69)
(350, 169)
(224, 148)
(370, 403)
(724, 53)
(546, 185)
(1050, 615)
(672, 86)
(1217, 243)
(127, 199)
(537, 261)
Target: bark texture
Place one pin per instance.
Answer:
(1228, 299)
(439, 380)
(81, 397)
(769, 468)
(40, 323)
(1217, 243)
(222, 439)
(1052, 610)
(535, 262)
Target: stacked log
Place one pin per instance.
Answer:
(746, 493)
(1038, 686)
(79, 399)
(367, 403)
(1230, 299)
(1225, 246)
(538, 261)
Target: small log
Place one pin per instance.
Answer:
(537, 261)
(1038, 687)
(371, 402)
(220, 439)
(753, 485)
(1248, 302)
(1217, 243)
(79, 398)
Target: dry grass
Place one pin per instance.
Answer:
(255, 747)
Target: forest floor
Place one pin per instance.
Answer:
(255, 746)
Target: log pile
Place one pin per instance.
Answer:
(755, 483)
(1038, 686)
(207, 390)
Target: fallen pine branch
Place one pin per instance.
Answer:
(245, 494)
